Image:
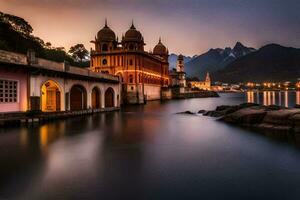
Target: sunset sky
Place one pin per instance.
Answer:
(186, 26)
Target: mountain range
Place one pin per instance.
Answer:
(212, 61)
(272, 62)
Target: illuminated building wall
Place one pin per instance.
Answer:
(202, 85)
(142, 74)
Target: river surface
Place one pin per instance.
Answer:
(148, 152)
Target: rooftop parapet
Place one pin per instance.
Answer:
(14, 58)
(22, 59)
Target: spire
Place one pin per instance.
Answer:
(207, 78)
(106, 23)
(132, 25)
(159, 41)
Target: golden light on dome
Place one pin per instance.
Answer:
(250, 84)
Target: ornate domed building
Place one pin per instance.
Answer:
(133, 40)
(143, 74)
(178, 74)
(161, 50)
(105, 40)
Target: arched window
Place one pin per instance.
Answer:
(131, 47)
(104, 47)
(96, 98)
(130, 62)
(78, 98)
(130, 78)
(104, 61)
(109, 98)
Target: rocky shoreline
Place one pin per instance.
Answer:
(197, 94)
(267, 118)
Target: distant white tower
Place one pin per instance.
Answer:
(207, 81)
(180, 64)
(207, 78)
(181, 73)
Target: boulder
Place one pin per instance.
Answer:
(246, 116)
(273, 107)
(213, 113)
(201, 111)
(274, 128)
(223, 107)
(186, 112)
(247, 105)
(280, 117)
(295, 122)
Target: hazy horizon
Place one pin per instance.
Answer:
(188, 27)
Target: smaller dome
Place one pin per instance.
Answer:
(106, 34)
(160, 49)
(133, 35)
(180, 57)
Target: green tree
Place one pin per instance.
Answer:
(17, 23)
(78, 52)
(16, 35)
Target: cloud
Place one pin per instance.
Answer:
(187, 26)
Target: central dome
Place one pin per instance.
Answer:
(106, 34)
(133, 35)
(160, 49)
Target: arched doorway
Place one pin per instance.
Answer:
(78, 98)
(120, 77)
(95, 98)
(50, 97)
(109, 98)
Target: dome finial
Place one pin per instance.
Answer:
(132, 25)
(159, 41)
(106, 22)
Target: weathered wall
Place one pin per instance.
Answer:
(166, 94)
(21, 104)
(152, 91)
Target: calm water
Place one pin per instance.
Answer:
(282, 98)
(148, 152)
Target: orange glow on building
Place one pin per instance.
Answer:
(141, 73)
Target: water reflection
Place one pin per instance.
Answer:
(281, 98)
(162, 155)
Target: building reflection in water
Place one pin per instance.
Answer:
(286, 99)
(257, 97)
(48, 133)
(265, 102)
(250, 97)
(281, 98)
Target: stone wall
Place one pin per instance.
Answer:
(10, 57)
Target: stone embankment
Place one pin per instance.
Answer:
(273, 118)
(196, 94)
(30, 118)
